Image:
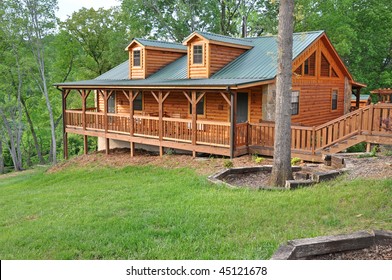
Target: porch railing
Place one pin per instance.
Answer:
(174, 129)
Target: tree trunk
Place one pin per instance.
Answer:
(281, 170)
(2, 168)
(35, 139)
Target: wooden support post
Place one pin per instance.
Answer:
(368, 147)
(358, 97)
(105, 119)
(232, 125)
(370, 120)
(160, 104)
(313, 140)
(65, 136)
(85, 144)
(360, 121)
(83, 95)
(131, 127)
(194, 123)
(107, 146)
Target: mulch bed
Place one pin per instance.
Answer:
(376, 252)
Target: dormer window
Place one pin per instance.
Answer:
(198, 54)
(136, 58)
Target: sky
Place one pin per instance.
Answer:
(67, 7)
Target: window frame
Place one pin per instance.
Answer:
(201, 54)
(142, 102)
(114, 98)
(334, 102)
(140, 58)
(298, 102)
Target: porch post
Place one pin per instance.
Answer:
(358, 95)
(194, 123)
(160, 103)
(84, 97)
(233, 121)
(131, 128)
(65, 135)
(105, 116)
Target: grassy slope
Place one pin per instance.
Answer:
(154, 213)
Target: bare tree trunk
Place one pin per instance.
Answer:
(12, 143)
(35, 139)
(36, 42)
(2, 168)
(281, 170)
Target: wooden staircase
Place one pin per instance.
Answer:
(371, 124)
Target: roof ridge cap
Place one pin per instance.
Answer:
(158, 41)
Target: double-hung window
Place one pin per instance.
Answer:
(334, 100)
(136, 58)
(198, 54)
(295, 103)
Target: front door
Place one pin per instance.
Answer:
(242, 107)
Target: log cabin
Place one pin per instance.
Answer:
(216, 94)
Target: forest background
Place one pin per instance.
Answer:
(37, 50)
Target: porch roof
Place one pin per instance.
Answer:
(256, 65)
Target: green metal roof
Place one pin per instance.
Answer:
(160, 44)
(260, 62)
(255, 65)
(223, 39)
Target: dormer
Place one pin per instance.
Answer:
(208, 53)
(149, 56)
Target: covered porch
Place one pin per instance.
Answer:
(163, 126)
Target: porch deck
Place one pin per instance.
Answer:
(371, 124)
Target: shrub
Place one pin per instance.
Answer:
(373, 153)
(257, 159)
(358, 148)
(295, 161)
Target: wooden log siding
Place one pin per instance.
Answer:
(221, 56)
(156, 60)
(255, 108)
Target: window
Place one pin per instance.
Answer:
(295, 103)
(198, 54)
(138, 102)
(136, 58)
(334, 99)
(112, 104)
(310, 65)
(199, 106)
(324, 66)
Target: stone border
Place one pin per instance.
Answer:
(317, 177)
(308, 247)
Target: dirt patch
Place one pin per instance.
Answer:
(379, 167)
(205, 165)
(376, 252)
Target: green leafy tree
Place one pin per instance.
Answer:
(100, 34)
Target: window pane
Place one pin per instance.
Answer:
(199, 106)
(112, 104)
(295, 103)
(197, 54)
(334, 100)
(136, 58)
(138, 102)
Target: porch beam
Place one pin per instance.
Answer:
(166, 96)
(194, 123)
(126, 94)
(155, 96)
(200, 97)
(225, 97)
(187, 97)
(135, 94)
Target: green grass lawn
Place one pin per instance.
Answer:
(156, 213)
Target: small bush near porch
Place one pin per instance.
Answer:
(151, 212)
